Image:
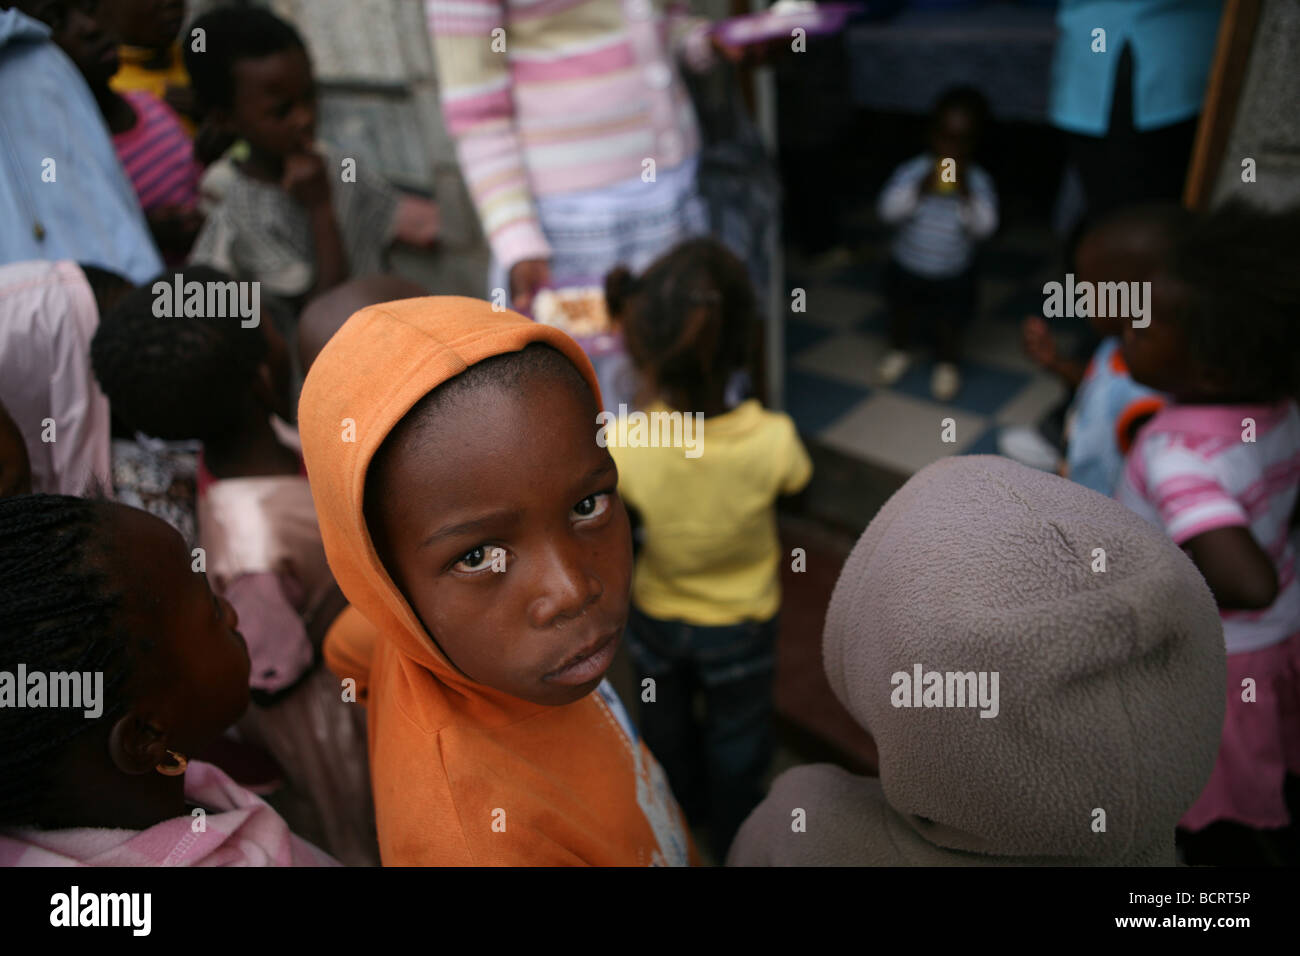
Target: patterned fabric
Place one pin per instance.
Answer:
(238, 829)
(577, 96)
(631, 223)
(258, 232)
(157, 155)
(937, 233)
(1191, 472)
(133, 75)
(158, 477)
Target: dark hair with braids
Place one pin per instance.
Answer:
(1240, 266)
(177, 377)
(231, 34)
(688, 319)
(58, 612)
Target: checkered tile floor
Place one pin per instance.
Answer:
(833, 348)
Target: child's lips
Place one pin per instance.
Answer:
(591, 665)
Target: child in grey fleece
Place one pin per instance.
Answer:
(1090, 657)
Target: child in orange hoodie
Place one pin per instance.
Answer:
(471, 519)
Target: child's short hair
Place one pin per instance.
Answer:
(695, 311)
(508, 371)
(58, 613)
(1240, 269)
(176, 378)
(232, 34)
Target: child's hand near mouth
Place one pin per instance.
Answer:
(305, 178)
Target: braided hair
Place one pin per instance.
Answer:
(58, 612)
(176, 378)
(694, 319)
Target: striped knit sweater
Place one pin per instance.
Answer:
(545, 97)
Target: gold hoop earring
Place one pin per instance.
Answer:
(174, 766)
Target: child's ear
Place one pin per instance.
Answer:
(135, 745)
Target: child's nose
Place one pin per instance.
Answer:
(567, 589)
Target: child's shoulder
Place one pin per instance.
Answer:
(915, 166)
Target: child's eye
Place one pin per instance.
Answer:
(592, 506)
(481, 559)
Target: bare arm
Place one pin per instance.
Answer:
(1239, 572)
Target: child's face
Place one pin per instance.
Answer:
(953, 135)
(517, 470)
(1100, 261)
(193, 683)
(1159, 356)
(153, 24)
(78, 30)
(275, 103)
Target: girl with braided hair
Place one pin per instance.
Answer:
(97, 587)
(706, 589)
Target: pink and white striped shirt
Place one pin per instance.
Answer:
(157, 155)
(1192, 471)
(545, 97)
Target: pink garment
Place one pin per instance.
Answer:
(583, 93)
(47, 318)
(239, 829)
(157, 155)
(1193, 469)
(265, 555)
(1260, 742)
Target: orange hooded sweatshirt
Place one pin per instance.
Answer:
(463, 774)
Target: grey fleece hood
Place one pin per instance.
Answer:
(1109, 683)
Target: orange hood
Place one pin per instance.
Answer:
(462, 773)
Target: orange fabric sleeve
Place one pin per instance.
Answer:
(348, 647)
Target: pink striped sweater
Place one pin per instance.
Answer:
(1195, 468)
(545, 97)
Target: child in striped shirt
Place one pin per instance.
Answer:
(942, 203)
(1219, 470)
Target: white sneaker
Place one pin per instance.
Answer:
(945, 381)
(1028, 447)
(892, 366)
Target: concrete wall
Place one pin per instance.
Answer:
(1267, 124)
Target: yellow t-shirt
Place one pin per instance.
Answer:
(711, 553)
(133, 75)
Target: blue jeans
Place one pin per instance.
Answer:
(716, 767)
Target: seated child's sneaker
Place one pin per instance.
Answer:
(892, 366)
(1042, 673)
(945, 382)
(1029, 447)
